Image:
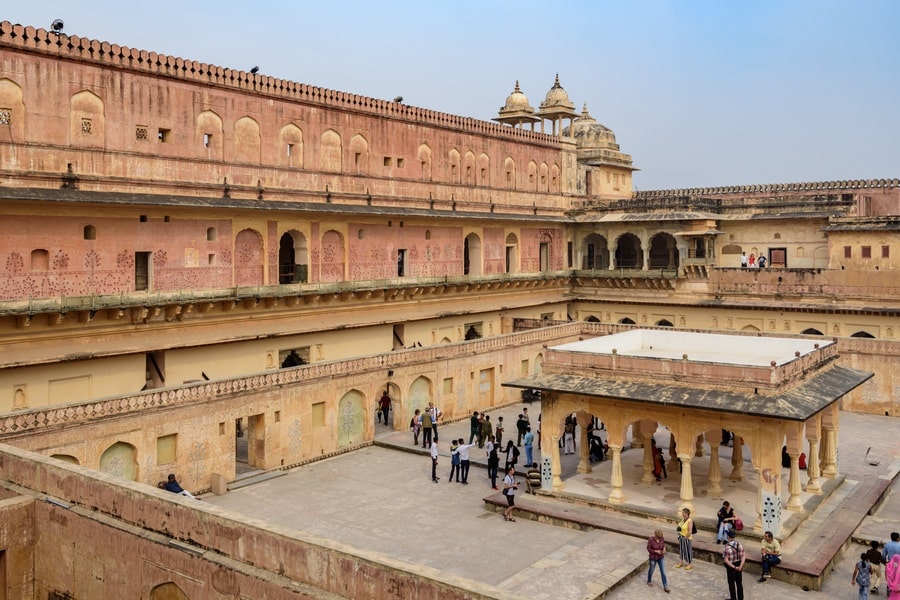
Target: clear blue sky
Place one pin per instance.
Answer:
(700, 93)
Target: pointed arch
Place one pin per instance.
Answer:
(209, 135)
(663, 251)
(87, 123)
(330, 151)
(12, 105)
(473, 259)
(483, 172)
(293, 258)
(532, 175)
(455, 166)
(554, 178)
(629, 254)
(595, 252)
(511, 254)
(543, 178)
(420, 394)
(469, 168)
(248, 258)
(359, 154)
(120, 460)
(509, 169)
(247, 141)
(351, 425)
(168, 591)
(424, 156)
(291, 148)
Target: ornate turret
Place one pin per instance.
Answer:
(596, 143)
(517, 111)
(556, 107)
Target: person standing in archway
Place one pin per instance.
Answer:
(384, 405)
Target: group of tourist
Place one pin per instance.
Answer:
(866, 572)
(426, 423)
(752, 261)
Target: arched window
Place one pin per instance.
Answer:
(211, 234)
(90, 232)
(862, 334)
(811, 331)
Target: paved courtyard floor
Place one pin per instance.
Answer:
(381, 500)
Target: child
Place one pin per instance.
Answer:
(862, 576)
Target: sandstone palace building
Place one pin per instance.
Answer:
(194, 256)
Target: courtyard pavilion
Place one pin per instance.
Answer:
(770, 392)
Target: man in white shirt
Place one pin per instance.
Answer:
(464, 464)
(434, 461)
(435, 415)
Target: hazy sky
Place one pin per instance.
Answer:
(702, 93)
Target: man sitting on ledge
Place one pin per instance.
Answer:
(771, 555)
(173, 486)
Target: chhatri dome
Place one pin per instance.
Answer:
(588, 133)
(557, 107)
(516, 111)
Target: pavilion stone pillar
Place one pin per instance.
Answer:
(687, 483)
(813, 469)
(698, 446)
(794, 437)
(673, 457)
(737, 459)
(584, 462)
(647, 476)
(714, 489)
(829, 442)
(616, 496)
(637, 439)
(766, 449)
(554, 458)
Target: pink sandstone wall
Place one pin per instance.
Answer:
(17, 543)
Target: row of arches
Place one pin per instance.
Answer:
(628, 252)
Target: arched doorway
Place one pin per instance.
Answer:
(663, 252)
(167, 591)
(511, 264)
(472, 263)
(248, 258)
(293, 258)
(628, 252)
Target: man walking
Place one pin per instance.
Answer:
(434, 462)
(384, 405)
(733, 556)
(474, 427)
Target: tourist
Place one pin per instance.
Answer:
(751, 262)
(892, 576)
(743, 260)
(761, 262)
(892, 548)
(569, 435)
(685, 540)
(873, 555)
(512, 455)
(385, 406)
(726, 519)
(521, 426)
(454, 461)
(487, 428)
(659, 462)
(528, 440)
(464, 461)
(436, 415)
(493, 462)
(415, 425)
(770, 554)
(434, 461)
(426, 429)
(475, 428)
(173, 486)
(498, 430)
(733, 557)
(525, 415)
(862, 572)
(656, 549)
(509, 490)
(481, 438)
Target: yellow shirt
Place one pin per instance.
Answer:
(685, 527)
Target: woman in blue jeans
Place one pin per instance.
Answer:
(656, 548)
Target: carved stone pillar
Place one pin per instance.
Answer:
(714, 490)
(673, 457)
(557, 465)
(616, 496)
(794, 502)
(687, 484)
(829, 464)
(698, 446)
(737, 460)
(584, 462)
(814, 484)
(648, 477)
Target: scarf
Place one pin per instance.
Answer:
(892, 573)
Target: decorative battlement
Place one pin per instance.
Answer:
(122, 57)
(844, 185)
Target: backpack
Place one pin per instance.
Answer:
(426, 420)
(693, 527)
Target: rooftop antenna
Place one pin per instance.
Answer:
(57, 26)
(254, 70)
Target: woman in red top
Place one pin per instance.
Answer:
(656, 548)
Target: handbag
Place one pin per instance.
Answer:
(738, 525)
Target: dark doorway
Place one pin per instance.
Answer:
(141, 271)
